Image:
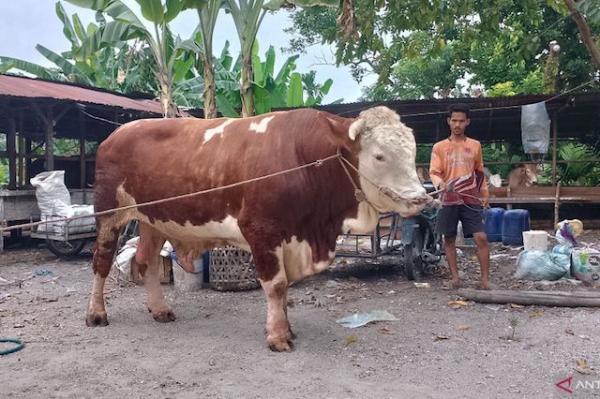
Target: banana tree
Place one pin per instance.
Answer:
(248, 16)
(122, 67)
(125, 26)
(208, 11)
(271, 89)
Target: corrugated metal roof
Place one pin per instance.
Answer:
(17, 86)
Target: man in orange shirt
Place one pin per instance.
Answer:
(457, 168)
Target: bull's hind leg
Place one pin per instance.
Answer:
(270, 268)
(148, 257)
(106, 244)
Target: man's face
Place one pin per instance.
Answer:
(458, 122)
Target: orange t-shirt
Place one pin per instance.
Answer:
(453, 159)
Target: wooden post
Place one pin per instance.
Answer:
(11, 148)
(50, 141)
(554, 145)
(27, 160)
(556, 204)
(82, 165)
(21, 161)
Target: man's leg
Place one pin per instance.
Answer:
(483, 254)
(472, 220)
(447, 224)
(450, 248)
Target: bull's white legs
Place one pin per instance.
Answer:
(96, 312)
(279, 335)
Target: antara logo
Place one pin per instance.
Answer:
(578, 383)
(565, 384)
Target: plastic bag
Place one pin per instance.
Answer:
(586, 264)
(535, 128)
(52, 195)
(542, 265)
(361, 319)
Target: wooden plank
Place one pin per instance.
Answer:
(544, 298)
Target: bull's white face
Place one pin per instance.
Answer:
(387, 159)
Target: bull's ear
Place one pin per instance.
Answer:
(339, 127)
(356, 128)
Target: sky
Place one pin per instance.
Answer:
(25, 23)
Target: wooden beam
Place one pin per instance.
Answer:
(544, 298)
(11, 148)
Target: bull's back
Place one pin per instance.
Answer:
(149, 159)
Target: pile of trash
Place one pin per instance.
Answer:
(569, 258)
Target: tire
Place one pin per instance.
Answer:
(65, 249)
(413, 264)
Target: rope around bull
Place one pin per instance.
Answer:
(358, 193)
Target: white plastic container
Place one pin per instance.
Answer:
(535, 240)
(185, 281)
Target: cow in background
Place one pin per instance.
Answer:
(290, 222)
(524, 175)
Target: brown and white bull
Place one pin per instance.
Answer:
(290, 222)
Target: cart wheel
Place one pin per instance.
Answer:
(65, 248)
(413, 263)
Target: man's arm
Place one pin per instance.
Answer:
(436, 168)
(485, 193)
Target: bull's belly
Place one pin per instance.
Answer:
(226, 230)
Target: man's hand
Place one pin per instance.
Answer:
(442, 186)
(485, 202)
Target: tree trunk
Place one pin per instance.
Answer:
(168, 107)
(246, 85)
(585, 32)
(210, 105)
(346, 21)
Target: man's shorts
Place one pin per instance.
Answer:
(471, 217)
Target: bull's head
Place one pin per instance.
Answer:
(386, 162)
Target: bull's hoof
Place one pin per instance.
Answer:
(99, 319)
(164, 316)
(280, 345)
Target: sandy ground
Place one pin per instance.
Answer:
(217, 349)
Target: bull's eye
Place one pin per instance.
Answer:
(379, 157)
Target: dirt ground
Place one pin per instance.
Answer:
(217, 348)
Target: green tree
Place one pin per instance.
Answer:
(490, 42)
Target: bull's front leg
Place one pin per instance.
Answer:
(274, 282)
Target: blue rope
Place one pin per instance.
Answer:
(19, 345)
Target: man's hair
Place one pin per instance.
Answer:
(464, 108)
